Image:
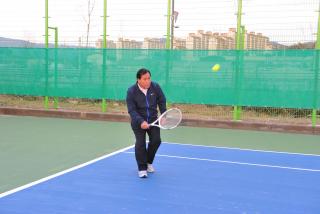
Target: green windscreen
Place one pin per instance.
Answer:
(274, 78)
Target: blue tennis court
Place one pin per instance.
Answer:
(188, 179)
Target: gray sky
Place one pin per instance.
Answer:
(286, 21)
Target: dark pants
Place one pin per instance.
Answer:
(145, 155)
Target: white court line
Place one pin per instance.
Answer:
(250, 150)
(235, 162)
(62, 172)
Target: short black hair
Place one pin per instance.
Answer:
(142, 71)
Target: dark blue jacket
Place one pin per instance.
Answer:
(144, 108)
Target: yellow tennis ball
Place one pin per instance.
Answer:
(216, 67)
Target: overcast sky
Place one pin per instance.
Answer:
(286, 21)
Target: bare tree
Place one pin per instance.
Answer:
(90, 7)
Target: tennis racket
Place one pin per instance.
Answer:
(170, 119)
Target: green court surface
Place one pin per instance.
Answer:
(32, 148)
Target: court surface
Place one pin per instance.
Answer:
(189, 178)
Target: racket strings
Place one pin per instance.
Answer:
(171, 119)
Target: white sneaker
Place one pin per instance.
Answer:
(150, 168)
(143, 174)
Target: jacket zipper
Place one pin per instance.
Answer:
(148, 114)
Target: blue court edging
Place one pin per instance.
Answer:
(189, 179)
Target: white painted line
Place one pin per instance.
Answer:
(250, 150)
(62, 172)
(234, 162)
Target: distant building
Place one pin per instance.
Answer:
(110, 44)
(221, 41)
(128, 44)
(208, 40)
(257, 41)
(252, 40)
(193, 41)
(200, 40)
(154, 43)
(179, 43)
